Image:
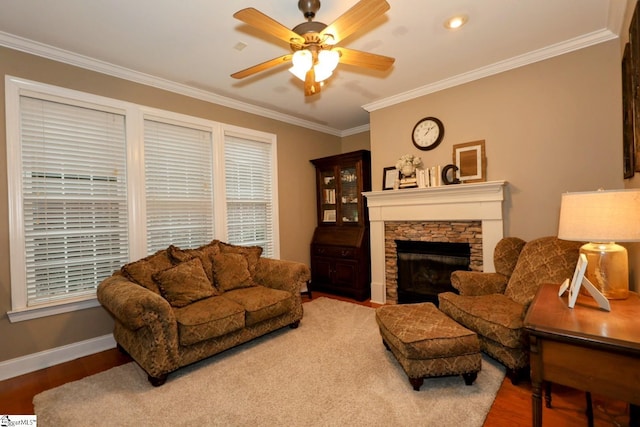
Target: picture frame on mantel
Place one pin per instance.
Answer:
(470, 158)
(389, 177)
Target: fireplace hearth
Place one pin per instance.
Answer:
(424, 268)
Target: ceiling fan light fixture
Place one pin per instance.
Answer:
(327, 62)
(322, 74)
(455, 22)
(298, 72)
(328, 59)
(302, 62)
(312, 55)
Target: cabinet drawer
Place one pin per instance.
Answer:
(333, 251)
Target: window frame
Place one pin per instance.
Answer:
(135, 115)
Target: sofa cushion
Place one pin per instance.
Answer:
(208, 318)
(261, 303)
(251, 253)
(141, 271)
(184, 283)
(204, 252)
(230, 271)
(494, 316)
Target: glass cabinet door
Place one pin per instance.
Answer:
(349, 208)
(328, 202)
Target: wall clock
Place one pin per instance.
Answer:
(427, 133)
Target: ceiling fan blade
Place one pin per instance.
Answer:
(259, 20)
(364, 59)
(350, 21)
(311, 87)
(261, 67)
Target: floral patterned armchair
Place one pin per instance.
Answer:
(494, 304)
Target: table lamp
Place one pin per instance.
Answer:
(603, 218)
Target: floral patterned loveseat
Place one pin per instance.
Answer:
(176, 307)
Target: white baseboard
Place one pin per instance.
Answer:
(44, 359)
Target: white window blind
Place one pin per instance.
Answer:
(178, 185)
(74, 198)
(249, 175)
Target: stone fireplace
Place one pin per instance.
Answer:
(420, 257)
(470, 213)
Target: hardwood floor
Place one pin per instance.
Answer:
(511, 408)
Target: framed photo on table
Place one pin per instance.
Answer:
(389, 177)
(579, 280)
(576, 281)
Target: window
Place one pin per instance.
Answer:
(95, 183)
(249, 185)
(72, 180)
(178, 185)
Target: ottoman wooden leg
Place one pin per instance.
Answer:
(386, 345)
(470, 378)
(416, 383)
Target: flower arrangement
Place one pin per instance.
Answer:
(407, 164)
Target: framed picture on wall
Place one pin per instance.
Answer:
(633, 68)
(628, 148)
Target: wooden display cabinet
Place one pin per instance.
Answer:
(340, 258)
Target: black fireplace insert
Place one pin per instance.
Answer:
(424, 268)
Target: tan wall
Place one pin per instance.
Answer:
(355, 142)
(549, 127)
(296, 146)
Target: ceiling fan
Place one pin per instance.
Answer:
(313, 44)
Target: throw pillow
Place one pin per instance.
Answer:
(251, 253)
(204, 252)
(231, 272)
(141, 271)
(185, 283)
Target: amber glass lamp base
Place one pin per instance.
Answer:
(607, 268)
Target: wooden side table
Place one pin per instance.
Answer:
(585, 347)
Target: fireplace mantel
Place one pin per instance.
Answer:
(468, 202)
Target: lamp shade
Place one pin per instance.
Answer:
(600, 216)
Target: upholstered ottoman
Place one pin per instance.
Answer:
(427, 343)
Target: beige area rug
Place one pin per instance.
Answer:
(331, 371)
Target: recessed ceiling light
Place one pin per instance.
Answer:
(455, 22)
(239, 46)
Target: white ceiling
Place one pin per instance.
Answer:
(189, 46)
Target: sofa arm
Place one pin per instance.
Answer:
(282, 274)
(131, 304)
(478, 283)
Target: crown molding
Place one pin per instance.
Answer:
(60, 55)
(355, 130)
(496, 68)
